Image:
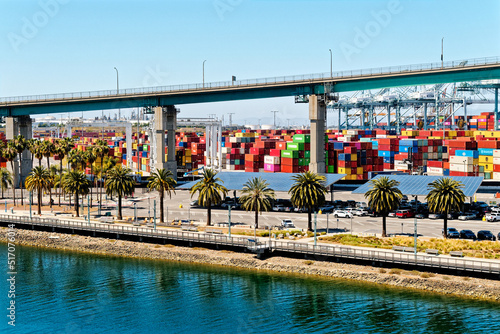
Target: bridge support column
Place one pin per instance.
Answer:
(398, 121)
(317, 114)
(160, 120)
(496, 109)
(466, 127)
(171, 127)
(26, 130)
(425, 116)
(371, 118)
(340, 118)
(11, 131)
(388, 117)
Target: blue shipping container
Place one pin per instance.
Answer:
(467, 153)
(486, 151)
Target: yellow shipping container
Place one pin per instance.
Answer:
(485, 159)
(344, 171)
(188, 160)
(487, 167)
(359, 170)
(187, 153)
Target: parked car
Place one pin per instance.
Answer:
(467, 216)
(371, 213)
(421, 215)
(361, 204)
(360, 212)
(453, 215)
(194, 203)
(302, 209)
(467, 234)
(279, 208)
(405, 214)
(452, 233)
(436, 216)
(391, 214)
(485, 235)
(327, 209)
(493, 217)
(342, 214)
(287, 223)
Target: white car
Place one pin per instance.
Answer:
(493, 217)
(342, 214)
(360, 212)
(287, 223)
(467, 216)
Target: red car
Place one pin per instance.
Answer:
(405, 214)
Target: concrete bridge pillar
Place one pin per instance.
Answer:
(166, 119)
(425, 116)
(21, 125)
(317, 116)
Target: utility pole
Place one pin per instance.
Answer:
(274, 112)
(442, 40)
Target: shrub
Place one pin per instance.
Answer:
(308, 262)
(425, 275)
(446, 278)
(395, 271)
(382, 270)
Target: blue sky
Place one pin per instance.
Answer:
(53, 46)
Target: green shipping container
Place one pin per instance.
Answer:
(289, 154)
(331, 169)
(307, 154)
(301, 138)
(145, 147)
(295, 146)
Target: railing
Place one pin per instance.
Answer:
(422, 260)
(468, 63)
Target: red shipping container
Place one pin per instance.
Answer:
(437, 164)
(289, 161)
(350, 150)
(275, 153)
(496, 168)
(289, 169)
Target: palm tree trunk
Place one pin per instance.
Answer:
(384, 227)
(2, 191)
(21, 179)
(93, 182)
(119, 207)
(309, 219)
(40, 162)
(39, 201)
(101, 185)
(50, 196)
(161, 206)
(445, 226)
(256, 218)
(60, 180)
(77, 207)
(14, 185)
(209, 211)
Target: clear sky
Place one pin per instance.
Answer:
(54, 46)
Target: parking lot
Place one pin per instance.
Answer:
(179, 208)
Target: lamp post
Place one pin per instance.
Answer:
(327, 214)
(88, 208)
(274, 123)
(135, 213)
(229, 219)
(154, 213)
(415, 226)
(331, 64)
(315, 224)
(442, 41)
(117, 91)
(204, 73)
(31, 194)
(149, 208)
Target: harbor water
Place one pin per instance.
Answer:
(66, 292)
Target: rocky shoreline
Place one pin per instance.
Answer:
(442, 284)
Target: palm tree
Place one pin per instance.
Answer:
(68, 144)
(162, 181)
(30, 143)
(445, 196)
(384, 197)
(75, 159)
(10, 153)
(5, 179)
(20, 144)
(308, 191)
(39, 180)
(48, 149)
(210, 192)
(61, 153)
(36, 149)
(76, 183)
(121, 183)
(257, 196)
(101, 150)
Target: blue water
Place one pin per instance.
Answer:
(64, 292)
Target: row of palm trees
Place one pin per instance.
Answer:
(308, 191)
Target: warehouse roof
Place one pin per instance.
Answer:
(277, 181)
(418, 185)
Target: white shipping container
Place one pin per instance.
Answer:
(444, 155)
(437, 170)
(434, 174)
(496, 176)
(496, 161)
(454, 159)
(380, 136)
(271, 160)
(430, 149)
(496, 153)
(230, 167)
(461, 168)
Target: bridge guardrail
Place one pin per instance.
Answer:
(430, 261)
(467, 63)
